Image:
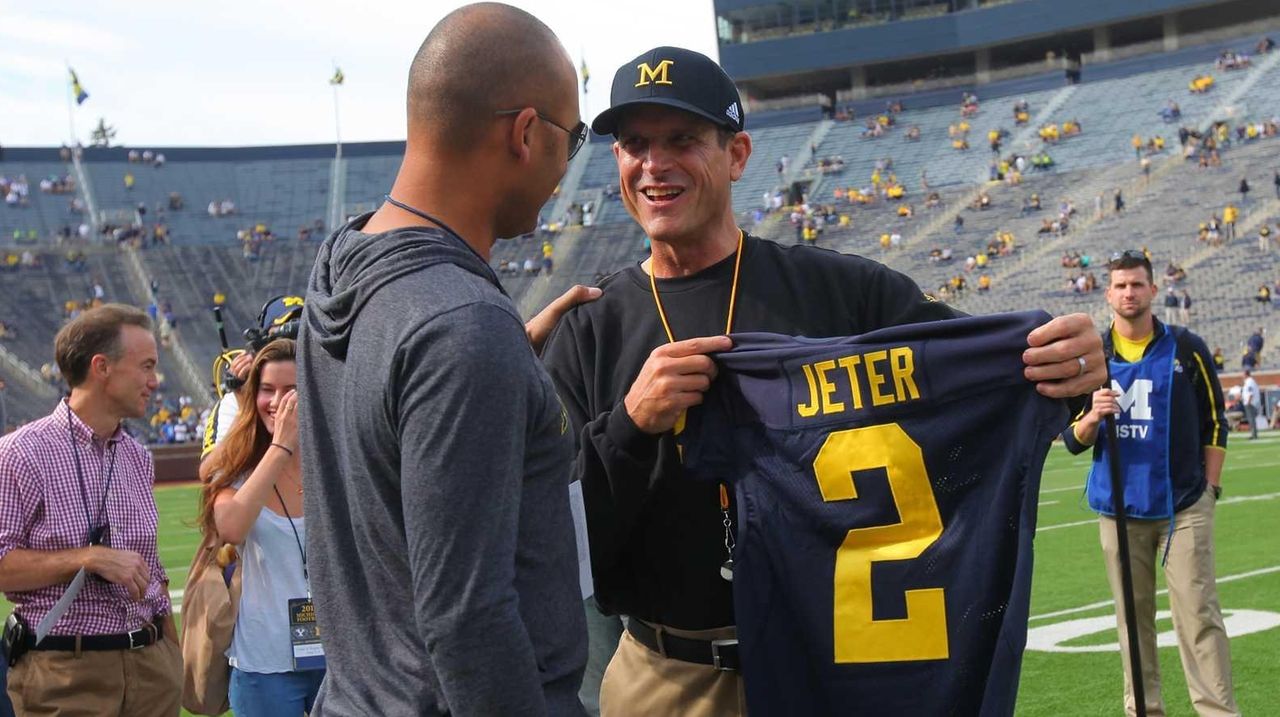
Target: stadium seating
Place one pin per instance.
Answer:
(285, 189)
(45, 213)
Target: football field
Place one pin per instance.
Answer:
(1072, 664)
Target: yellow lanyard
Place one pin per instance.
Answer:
(733, 292)
(726, 568)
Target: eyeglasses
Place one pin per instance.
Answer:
(577, 135)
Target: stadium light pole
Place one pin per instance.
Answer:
(335, 83)
(1126, 566)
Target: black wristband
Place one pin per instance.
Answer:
(283, 447)
(1217, 491)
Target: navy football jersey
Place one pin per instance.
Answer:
(885, 490)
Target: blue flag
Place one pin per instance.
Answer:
(77, 89)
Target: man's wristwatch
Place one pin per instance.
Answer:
(1217, 491)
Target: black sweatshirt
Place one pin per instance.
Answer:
(657, 537)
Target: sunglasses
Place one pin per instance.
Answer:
(1130, 254)
(577, 135)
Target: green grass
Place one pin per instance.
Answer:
(1069, 575)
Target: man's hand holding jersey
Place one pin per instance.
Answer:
(1065, 358)
(672, 379)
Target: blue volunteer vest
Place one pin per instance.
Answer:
(1142, 429)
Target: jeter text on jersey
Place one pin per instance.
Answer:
(837, 385)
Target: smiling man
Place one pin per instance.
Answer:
(78, 523)
(628, 366)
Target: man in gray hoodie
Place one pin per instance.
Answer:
(436, 454)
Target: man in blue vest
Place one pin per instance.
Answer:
(1172, 436)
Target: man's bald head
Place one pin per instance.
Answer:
(478, 60)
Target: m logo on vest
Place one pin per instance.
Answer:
(1137, 400)
(653, 75)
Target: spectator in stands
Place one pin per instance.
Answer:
(1244, 190)
(1264, 294)
(128, 181)
(1229, 216)
(159, 160)
(1276, 181)
(547, 262)
(1184, 308)
(1170, 306)
(1200, 84)
(1255, 342)
(1264, 238)
(1219, 361)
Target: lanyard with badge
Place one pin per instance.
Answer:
(304, 634)
(98, 528)
(726, 568)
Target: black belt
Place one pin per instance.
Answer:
(148, 634)
(720, 654)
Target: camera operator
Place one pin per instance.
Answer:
(277, 320)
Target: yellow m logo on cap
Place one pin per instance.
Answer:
(654, 75)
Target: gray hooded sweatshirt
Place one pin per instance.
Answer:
(436, 459)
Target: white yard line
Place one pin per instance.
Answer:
(1165, 591)
(1062, 490)
(1043, 503)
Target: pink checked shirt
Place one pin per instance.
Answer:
(41, 509)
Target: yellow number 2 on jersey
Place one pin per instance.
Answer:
(859, 638)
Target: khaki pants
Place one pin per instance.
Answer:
(641, 682)
(1193, 600)
(128, 683)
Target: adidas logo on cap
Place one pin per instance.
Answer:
(732, 112)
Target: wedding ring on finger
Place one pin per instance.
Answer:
(1082, 366)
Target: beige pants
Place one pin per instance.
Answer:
(641, 682)
(1193, 600)
(127, 683)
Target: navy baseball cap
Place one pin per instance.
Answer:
(279, 310)
(674, 77)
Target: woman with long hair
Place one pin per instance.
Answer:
(252, 498)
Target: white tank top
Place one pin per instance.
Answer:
(271, 575)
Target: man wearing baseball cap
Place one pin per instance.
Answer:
(628, 366)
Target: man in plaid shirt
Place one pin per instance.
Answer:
(75, 496)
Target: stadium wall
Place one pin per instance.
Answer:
(969, 36)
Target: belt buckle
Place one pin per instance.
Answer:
(139, 634)
(715, 654)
